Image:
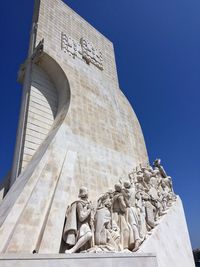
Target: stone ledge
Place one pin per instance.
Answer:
(76, 260)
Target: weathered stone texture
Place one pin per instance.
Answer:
(93, 139)
(105, 259)
(100, 118)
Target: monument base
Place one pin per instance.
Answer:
(82, 260)
(170, 240)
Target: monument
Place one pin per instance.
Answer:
(81, 191)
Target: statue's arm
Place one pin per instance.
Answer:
(82, 212)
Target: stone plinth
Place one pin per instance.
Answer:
(76, 260)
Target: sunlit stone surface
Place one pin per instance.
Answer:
(77, 129)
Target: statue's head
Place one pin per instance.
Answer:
(83, 192)
(127, 184)
(118, 187)
(157, 162)
(140, 172)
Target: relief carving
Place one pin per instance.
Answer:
(124, 217)
(83, 50)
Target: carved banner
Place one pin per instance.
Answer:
(83, 50)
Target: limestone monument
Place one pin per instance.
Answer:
(81, 191)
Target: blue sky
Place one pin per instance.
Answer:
(157, 45)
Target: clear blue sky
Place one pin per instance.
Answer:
(157, 45)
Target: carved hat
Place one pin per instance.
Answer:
(83, 191)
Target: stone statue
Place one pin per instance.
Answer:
(165, 178)
(147, 174)
(77, 232)
(140, 180)
(156, 201)
(155, 180)
(124, 217)
(150, 210)
(157, 164)
(140, 204)
(107, 235)
(132, 176)
(119, 209)
(132, 213)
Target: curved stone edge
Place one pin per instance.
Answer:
(18, 196)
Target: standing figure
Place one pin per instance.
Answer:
(106, 235)
(147, 174)
(150, 211)
(77, 232)
(156, 201)
(119, 209)
(140, 204)
(155, 179)
(167, 179)
(132, 213)
(157, 164)
(140, 180)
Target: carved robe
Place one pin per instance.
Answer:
(77, 222)
(120, 216)
(132, 212)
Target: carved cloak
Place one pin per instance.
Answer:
(71, 227)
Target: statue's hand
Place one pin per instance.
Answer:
(89, 206)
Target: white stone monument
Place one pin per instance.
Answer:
(81, 191)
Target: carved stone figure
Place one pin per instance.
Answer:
(164, 195)
(157, 164)
(166, 179)
(132, 213)
(140, 204)
(140, 180)
(147, 174)
(77, 231)
(155, 178)
(123, 217)
(107, 236)
(119, 208)
(150, 211)
(156, 201)
(133, 176)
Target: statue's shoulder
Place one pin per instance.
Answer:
(117, 196)
(81, 202)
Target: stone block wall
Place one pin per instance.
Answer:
(100, 119)
(42, 108)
